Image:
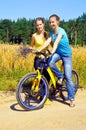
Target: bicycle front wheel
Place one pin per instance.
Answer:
(30, 98)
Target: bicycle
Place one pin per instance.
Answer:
(33, 89)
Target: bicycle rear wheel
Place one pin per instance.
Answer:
(63, 88)
(29, 98)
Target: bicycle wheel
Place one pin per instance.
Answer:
(63, 88)
(28, 98)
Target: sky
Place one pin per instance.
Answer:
(30, 9)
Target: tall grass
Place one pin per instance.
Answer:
(79, 64)
(13, 66)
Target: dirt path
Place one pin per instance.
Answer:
(54, 116)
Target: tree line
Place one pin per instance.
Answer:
(22, 29)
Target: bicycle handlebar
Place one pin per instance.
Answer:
(29, 50)
(47, 52)
(25, 51)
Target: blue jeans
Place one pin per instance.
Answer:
(67, 61)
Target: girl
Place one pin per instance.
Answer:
(38, 39)
(40, 36)
(61, 50)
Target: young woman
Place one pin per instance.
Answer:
(38, 39)
(40, 36)
(61, 50)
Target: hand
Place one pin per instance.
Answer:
(30, 47)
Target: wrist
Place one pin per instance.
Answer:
(52, 52)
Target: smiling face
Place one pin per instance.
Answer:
(54, 23)
(39, 25)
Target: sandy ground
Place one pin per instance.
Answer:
(54, 116)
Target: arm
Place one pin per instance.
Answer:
(47, 42)
(32, 41)
(56, 43)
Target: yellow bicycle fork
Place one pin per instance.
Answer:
(36, 82)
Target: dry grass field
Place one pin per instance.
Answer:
(13, 65)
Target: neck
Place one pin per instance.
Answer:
(56, 29)
(40, 32)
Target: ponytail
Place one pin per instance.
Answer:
(45, 35)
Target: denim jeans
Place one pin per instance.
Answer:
(67, 62)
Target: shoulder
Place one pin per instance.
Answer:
(61, 31)
(33, 35)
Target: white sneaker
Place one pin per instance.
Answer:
(60, 81)
(72, 103)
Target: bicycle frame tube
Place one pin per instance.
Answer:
(52, 76)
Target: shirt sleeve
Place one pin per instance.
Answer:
(61, 31)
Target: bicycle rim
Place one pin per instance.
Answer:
(32, 99)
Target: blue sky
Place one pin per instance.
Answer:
(66, 9)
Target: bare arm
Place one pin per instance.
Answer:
(56, 43)
(32, 41)
(47, 42)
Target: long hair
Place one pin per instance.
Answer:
(42, 19)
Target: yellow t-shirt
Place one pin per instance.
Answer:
(39, 41)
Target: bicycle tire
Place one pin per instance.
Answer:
(20, 90)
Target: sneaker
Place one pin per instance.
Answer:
(72, 103)
(60, 81)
